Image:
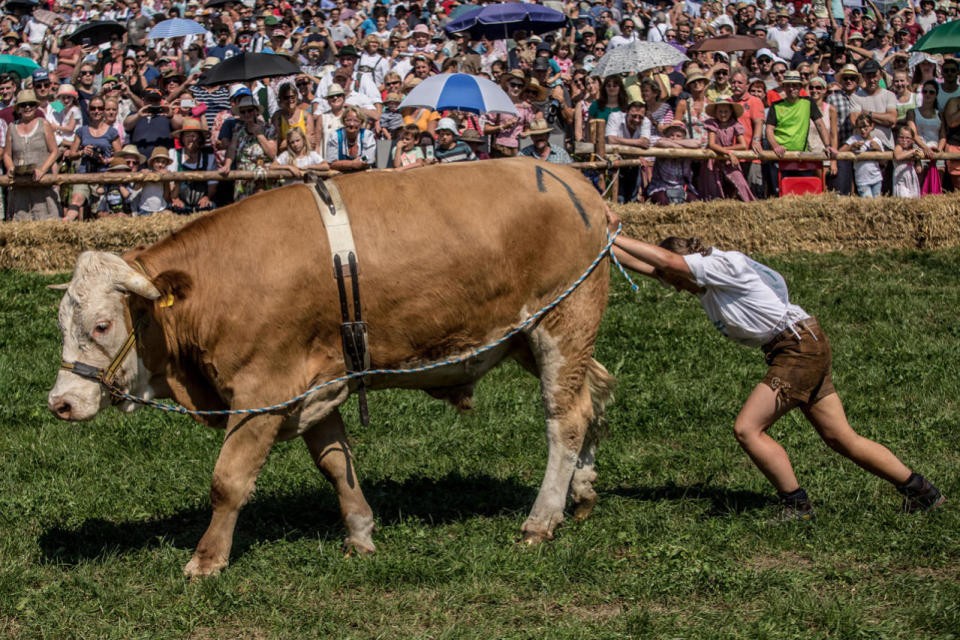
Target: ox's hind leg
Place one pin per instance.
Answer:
(245, 447)
(582, 494)
(327, 441)
(562, 367)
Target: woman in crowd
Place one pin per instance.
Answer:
(658, 110)
(817, 88)
(587, 92)
(290, 115)
(192, 154)
(132, 76)
(251, 147)
(111, 115)
(94, 146)
(692, 111)
(352, 147)
(30, 149)
(906, 98)
(929, 131)
(506, 129)
(613, 97)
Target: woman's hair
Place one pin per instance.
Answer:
(651, 84)
(621, 94)
(934, 84)
(410, 130)
(293, 133)
(352, 109)
(286, 90)
(684, 246)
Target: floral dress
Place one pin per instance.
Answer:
(250, 157)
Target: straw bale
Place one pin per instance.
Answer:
(816, 224)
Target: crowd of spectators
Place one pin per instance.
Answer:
(833, 75)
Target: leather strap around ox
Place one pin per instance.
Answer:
(336, 222)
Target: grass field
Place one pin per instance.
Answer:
(98, 519)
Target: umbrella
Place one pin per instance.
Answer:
(26, 5)
(98, 31)
(248, 66)
(21, 66)
(459, 92)
(175, 28)
(461, 9)
(944, 38)
(217, 3)
(636, 57)
(729, 43)
(500, 21)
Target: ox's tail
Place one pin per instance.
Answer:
(600, 384)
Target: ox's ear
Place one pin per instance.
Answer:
(58, 287)
(137, 283)
(174, 284)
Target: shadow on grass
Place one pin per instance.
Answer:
(293, 516)
(723, 501)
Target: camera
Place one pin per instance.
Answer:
(552, 111)
(155, 110)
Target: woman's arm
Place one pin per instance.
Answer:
(8, 150)
(51, 140)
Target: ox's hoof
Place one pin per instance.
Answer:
(533, 537)
(353, 546)
(196, 568)
(584, 508)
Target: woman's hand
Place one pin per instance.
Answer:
(297, 173)
(177, 203)
(733, 159)
(37, 174)
(832, 168)
(225, 170)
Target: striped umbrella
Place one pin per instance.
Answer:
(459, 92)
(175, 28)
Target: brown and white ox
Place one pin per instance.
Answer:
(239, 309)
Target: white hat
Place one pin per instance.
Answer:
(766, 52)
(448, 124)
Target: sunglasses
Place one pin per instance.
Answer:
(86, 73)
(779, 73)
(515, 85)
(599, 48)
(831, 92)
(133, 163)
(720, 72)
(41, 85)
(92, 109)
(929, 92)
(248, 110)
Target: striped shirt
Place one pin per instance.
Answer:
(217, 100)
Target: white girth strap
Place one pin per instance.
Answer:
(336, 222)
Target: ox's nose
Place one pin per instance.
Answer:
(60, 407)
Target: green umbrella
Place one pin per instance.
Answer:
(942, 39)
(23, 67)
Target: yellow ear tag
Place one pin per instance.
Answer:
(168, 301)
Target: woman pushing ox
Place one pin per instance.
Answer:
(749, 303)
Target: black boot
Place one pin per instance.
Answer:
(794, 506)
(919, 495)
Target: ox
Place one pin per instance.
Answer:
(240, 309)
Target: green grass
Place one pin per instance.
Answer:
(97, 519)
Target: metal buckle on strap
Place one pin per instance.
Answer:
(353, 332)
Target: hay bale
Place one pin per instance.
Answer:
(816, 224)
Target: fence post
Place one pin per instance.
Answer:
(599, 139)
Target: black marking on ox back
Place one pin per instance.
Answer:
(573, 197)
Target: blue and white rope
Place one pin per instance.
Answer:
(176, 408)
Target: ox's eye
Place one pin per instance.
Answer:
(101, 328)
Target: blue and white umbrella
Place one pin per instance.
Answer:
(175, 28)
(460, 92)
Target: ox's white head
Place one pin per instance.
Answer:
(92, 323)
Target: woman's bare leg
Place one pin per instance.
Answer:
(762, 408)
(830, 421)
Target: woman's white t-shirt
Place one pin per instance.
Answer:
(745, 300)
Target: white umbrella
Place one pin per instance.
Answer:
(175, 28)
(638, 56)
(459, 92)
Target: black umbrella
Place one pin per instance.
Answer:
(26, 5)
(219, 3)
(248, 66)
(98, 31)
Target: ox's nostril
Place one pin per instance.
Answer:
(62, 409)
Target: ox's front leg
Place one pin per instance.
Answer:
(331, 452)
(245, 447)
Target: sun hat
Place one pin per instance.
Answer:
(534, 85)
(239, 90)
(67, 90)
(856, 35)
(471, 135)
(411, 82)
(159, 153)
(513, 74)
(791, 77)
(711, 108)
(421, 28)
(132, 151)
(817, 80)
(693, 76)
(447, 124)
(766, 52)
(117, 164)
(334, 90)
(26, 96)
(849, 70)
(676, 124)
(537, 127)
(192, 124)
(209, 62)
(348, 50)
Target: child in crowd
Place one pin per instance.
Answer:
(298, 156)
(475, 141)
(672, 179)
(391, 120)
(906, 155)
(155, 197)
(867, 173)
(66, 121)
(725, 134)
(409, 154)
(115, 199)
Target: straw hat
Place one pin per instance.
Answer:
(160, 153)
(117, 164)
(695, 74)
(67, 90)
(711, 108)
(334, 90)
(534, 85)
(190, 124)
(392, 97)
(849, 70)
(792, 77)
(537, 127)
(411, 82)
(26, 97)
(131, 151)
(471, 135)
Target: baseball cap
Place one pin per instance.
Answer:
(40, 75)
(870, 66)
(766, 52)
(239, 90)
